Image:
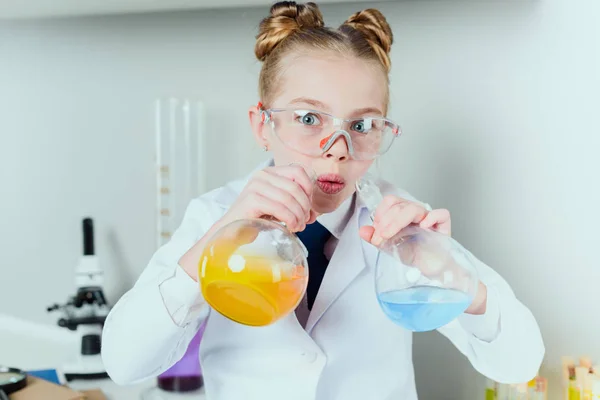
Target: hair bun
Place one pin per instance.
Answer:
(374, 27)
(287, 18)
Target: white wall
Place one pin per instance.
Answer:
(497, 101)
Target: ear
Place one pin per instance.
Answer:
(259, 129)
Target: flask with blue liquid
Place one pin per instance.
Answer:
(423, 279)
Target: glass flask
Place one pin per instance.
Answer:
(184, 379)
(186, 374)
(423, 279)
(254, 271)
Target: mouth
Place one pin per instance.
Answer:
(331, 183)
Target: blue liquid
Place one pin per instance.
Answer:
(423, 308)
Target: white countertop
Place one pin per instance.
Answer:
(141, 391)
(31, 346)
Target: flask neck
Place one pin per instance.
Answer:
(369, 193)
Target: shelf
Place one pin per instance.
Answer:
(27, 9)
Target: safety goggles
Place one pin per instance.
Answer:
(312, 132)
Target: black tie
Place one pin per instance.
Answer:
(314, 238)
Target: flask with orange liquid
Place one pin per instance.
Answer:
(254, 271)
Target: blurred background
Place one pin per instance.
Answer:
(498, 100)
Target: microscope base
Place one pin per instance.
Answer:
(86, 367)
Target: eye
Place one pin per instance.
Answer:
(308, 118)
(361, 126)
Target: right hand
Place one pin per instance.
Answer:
(282, 192)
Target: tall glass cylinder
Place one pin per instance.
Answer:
(180, 137)
(180, 151)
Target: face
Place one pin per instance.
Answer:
(343, 87)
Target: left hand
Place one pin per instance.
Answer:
(395, 213)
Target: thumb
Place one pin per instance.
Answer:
(366, 233)
(313, 217)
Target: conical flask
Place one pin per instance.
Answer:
(423, 279)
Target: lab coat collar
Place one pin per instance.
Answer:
(336, 221)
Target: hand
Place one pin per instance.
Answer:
(479, 304)
(395, 213)
(281, 192)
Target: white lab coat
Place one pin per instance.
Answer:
(344, 349)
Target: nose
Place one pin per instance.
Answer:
(338, 150)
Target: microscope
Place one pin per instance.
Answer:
(85, 312)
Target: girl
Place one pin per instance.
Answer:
(323, 104)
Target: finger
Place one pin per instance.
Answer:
(382, 216)
(279, 211)
(438, 220)
(435, 217)
(386, 204)
(398, 218)
(291, 187)
(394, 221)
(420, 212)
(444, 228)
(297, 174)
(265, 189)
(366, 233)
(312, 218)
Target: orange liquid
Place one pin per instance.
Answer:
(249, 289)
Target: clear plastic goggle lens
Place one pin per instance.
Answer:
(310, 132)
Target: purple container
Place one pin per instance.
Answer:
(186, 374)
